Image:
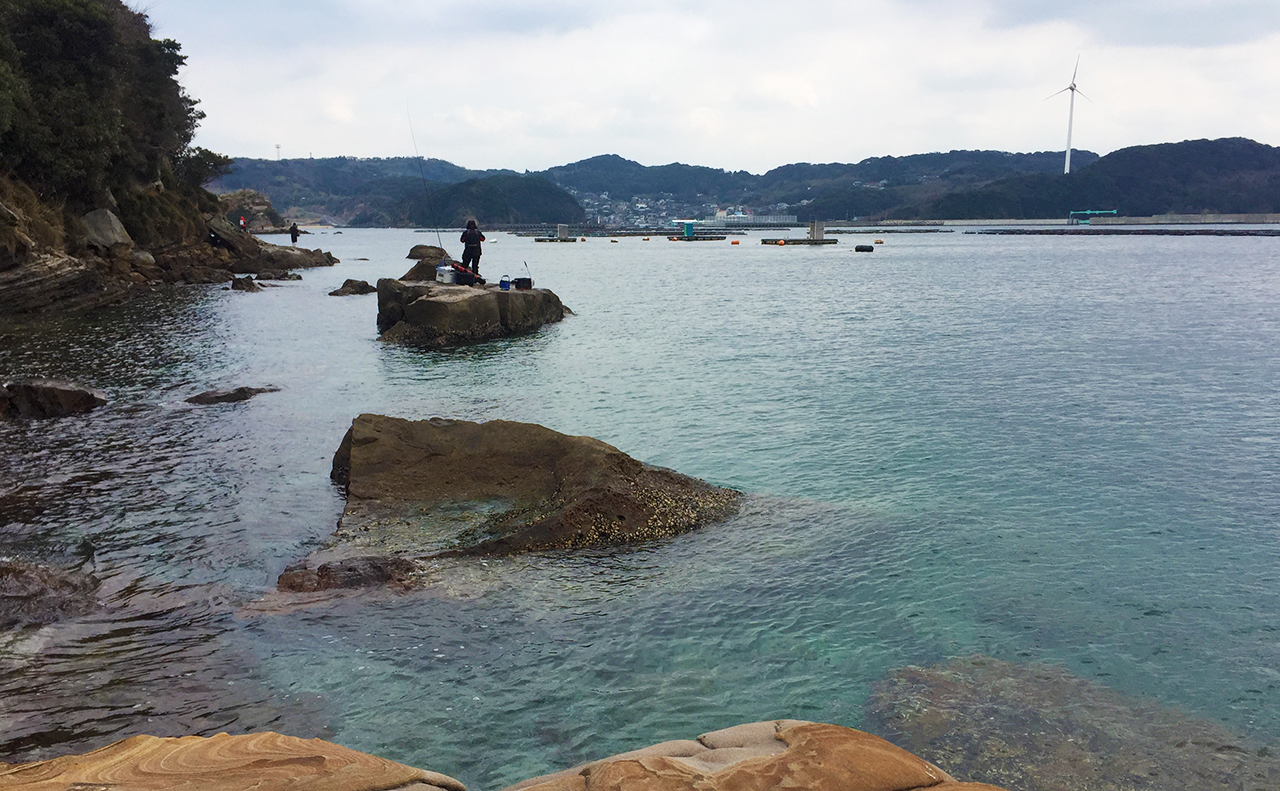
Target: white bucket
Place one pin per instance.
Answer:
(444, 274)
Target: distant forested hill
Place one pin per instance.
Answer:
(391, 192)
(1229, 176)
(624, 179)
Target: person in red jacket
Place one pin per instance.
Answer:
(471, 239)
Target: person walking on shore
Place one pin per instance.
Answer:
(471, 239)
(293, 233)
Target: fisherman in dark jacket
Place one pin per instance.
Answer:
(471, 239)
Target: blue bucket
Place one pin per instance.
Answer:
(505, 283)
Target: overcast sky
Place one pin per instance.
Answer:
(738, 85)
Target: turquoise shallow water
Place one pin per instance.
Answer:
(1045, 449)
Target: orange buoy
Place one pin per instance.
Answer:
(584, 238)
(781, 242)
(735, 241)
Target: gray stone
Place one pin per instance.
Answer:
(244, 284)
(142, 257)
(105, 231)
(229, 396)
(47, 398)
(353, 287)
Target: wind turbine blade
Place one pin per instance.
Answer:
(1075, 70)
(1050, 96)
(1083, 96)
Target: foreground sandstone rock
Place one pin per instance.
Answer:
(256, 762)
(434, 315)
(44, 398)
(755, 757)
(438, 488)
(759, 757)
(34, 595)
(1039, 728)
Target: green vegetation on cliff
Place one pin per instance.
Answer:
(92, 116)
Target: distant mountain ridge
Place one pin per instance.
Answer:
(1232, 175)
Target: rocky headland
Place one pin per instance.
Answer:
(97, 262)
(442, 488)
(750, 757)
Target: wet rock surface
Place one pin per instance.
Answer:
(442, 488)
(258, 762)
(352, 287)
(246, 284)
(435, 315)
(34, 595)
(763, 755)
(230, 396)
(47, 398)
(1039, 728)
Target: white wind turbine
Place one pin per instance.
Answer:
(1066, 168)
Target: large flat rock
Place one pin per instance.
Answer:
(759, 756)
(435, 315)
(255, 762)
(433, 488)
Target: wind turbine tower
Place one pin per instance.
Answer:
(1071, 112)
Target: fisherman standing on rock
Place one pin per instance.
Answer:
(471, 239)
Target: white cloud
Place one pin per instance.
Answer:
(752, 85)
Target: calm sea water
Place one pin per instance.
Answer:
(1044, 449)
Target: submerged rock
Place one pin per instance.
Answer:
(34, 595)
(437, 488)
(757, 757)
(230, 396)
(353, 287)
(253, 762)
(360, 572)
(44, 398)
(246, 284)
(435, 315)
(1039, 728)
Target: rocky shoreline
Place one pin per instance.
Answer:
(108, 266)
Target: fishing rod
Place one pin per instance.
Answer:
(426, 193)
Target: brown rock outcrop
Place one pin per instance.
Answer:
(45, 398)
(428, 258)
(435, 315)
(352, 287)
(451, 487)
(1039, 728)
(104, 268)
(256, 762)
(760, 756)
